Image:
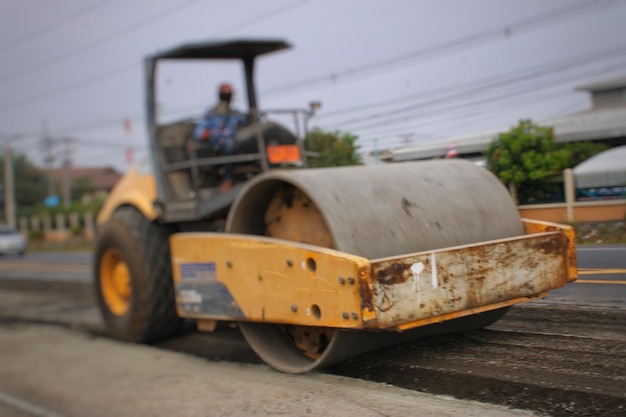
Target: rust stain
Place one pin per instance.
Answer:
(453, 300)
(467, 277)
(551, 247)
(537, 226)
(385, 303)
(447, 276)
(393, 274)
(365, 291)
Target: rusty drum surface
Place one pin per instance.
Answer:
(388, 210)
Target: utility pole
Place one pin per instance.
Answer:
(67, 172)
(129, 142)
(9, 185)
(48, 143)
(376, 154)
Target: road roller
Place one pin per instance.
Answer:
(313, 265)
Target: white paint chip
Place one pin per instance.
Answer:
(416, 269)
(433, 267)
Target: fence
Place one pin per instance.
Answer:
(60, 227)
(572, 211)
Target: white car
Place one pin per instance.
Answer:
(11, 241)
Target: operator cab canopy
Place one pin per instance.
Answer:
(245, 50)
(228, 49)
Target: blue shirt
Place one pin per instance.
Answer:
(218, 126)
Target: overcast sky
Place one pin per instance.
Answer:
(391, 72)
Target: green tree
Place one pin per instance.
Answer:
(30, 181)
(333, 148)
(81, 187)
(526, 157)
(581, 151)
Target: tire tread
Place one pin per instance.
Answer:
(153, 313)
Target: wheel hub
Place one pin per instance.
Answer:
(312, 341)
(115, 282)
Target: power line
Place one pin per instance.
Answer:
(104, 158)
(98, 42)
(107, 144)
(472, 113)
(473, 105)
(90, 126)
(464, 94)
(109, 74)
(439, 49)
(523, 25)
(63, 90)
(96, 143)
(34, 35)
(460, 90)
(473, 86)
(473, 40)
(482, 84)
(384, 125)
(457, 89)
(265, 16)
(58, 91)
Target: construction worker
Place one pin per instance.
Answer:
(218, 128)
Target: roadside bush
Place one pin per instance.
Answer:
(35, 234)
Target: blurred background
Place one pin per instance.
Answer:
(407, 79)
(394, 72)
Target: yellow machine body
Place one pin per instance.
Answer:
(135, 188)
(260, 279)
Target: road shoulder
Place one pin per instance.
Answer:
(70, 373)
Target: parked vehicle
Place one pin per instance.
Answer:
(12, 241)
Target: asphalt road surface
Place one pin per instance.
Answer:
(602, 270)
(602, 275)
(563, 356)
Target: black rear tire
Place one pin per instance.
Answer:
(146, 310)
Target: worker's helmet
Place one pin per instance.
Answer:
(225, 91)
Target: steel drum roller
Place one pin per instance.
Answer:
(374, 212)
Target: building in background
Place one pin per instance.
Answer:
(94, 182)
(605, 122)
